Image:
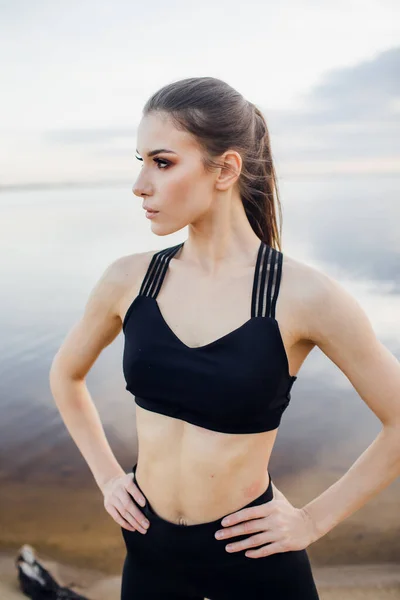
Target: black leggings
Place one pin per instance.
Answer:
(186, 562)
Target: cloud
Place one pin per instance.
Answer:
(363, 91)
(354, 113)
(349, 123)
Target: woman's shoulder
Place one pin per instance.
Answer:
(321, 302)
(125, 270)
(308, 282)
(121, 279)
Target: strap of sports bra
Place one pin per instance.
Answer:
(156, 271)
(267, 278)
(266, 281)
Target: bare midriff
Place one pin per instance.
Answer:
(193, 475)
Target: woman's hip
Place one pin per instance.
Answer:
(194, 557)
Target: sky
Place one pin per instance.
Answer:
(76, 75)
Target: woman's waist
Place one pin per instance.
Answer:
(201, 492)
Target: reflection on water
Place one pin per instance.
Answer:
(56, 243)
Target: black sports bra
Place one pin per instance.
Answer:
(239, 383)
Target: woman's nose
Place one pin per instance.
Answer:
(142, 186)
(139, 190)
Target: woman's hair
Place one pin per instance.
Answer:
(220, 118)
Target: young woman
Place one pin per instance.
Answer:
(215, 331)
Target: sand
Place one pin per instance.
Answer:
(346, 582)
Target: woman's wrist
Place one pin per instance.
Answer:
(105, 476)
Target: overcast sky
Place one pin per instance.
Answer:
(76, 75)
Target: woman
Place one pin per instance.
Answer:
(216, 330)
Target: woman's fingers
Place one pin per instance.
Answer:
(118, 519)
(127, 513)
(126, 494)
(133, 489)
(120, 505)
(129, 508)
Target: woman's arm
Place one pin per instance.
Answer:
(97, 328)
(340, 328)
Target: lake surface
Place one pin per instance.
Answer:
(55, 244)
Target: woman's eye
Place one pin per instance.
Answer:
(159, 161)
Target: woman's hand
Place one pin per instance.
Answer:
(118, 503)
(283, 527)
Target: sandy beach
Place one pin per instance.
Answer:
(342, 582)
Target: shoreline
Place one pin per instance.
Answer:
(341, 582)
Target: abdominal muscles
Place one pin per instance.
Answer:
(193, 475)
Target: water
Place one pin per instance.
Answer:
(55, 244)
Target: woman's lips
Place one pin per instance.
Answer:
(151, 213)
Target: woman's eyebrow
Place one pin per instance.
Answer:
(159, 150)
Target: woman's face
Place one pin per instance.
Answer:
(173, 183)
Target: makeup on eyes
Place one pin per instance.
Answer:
(159, 161)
